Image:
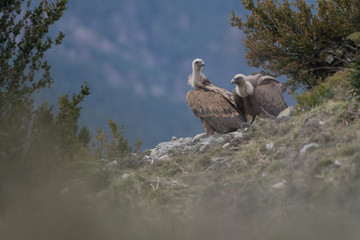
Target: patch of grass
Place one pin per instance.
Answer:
(275, 166)
(201, 162)
(355, 37)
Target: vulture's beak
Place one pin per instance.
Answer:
(233, 81)
(203, 64)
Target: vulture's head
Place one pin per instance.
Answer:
(198, 64)
(239, 79)
(243, 87)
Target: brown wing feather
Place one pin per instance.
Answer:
(215, 109)
(208, 86)
(269, 95)
(248, 105)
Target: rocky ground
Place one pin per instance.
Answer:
(295, 177)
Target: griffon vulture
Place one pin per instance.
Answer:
(214, 106)
(258, 95)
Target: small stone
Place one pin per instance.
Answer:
(64, 191)
(269, 145)
(236, 134)
(154, 154)
(329, 58)
(321, 122)
(164, 158)
(112, 163)
(226, 145)
(286, 113)
(198, 137)
(204, 147)
(307, 147)
(189, 148)
(207, 140)
(219, 140)
(279, 185)
(215, 159)
(337, 163)
(103, 160)
(125, 176)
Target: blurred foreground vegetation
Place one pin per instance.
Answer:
(263, 185)
(58, 183)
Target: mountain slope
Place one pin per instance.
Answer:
(295, 177)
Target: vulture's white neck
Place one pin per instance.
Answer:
(194, 78)
(244, 88)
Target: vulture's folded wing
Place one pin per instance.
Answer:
(215, 109)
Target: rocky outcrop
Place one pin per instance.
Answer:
(198, 144)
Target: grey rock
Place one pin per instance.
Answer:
(164, 158)
(337, 163)
(198, 137)
(329, 58)
(226, 145)
(207, 140)
(305, 148)
(102, 161)
(125, 175)
(163, 148)
(219, 140)
(270, 145)
(112, 163)
(286, 113)
(279, 185)
(236, 134)
(204, 147)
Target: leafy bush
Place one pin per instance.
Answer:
(296, 39)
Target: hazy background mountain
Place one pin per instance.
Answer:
(136, 56)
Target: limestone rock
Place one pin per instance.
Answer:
(286, 113)
(270, 145)
(279, 185)
(112, 163)
(305, 148)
